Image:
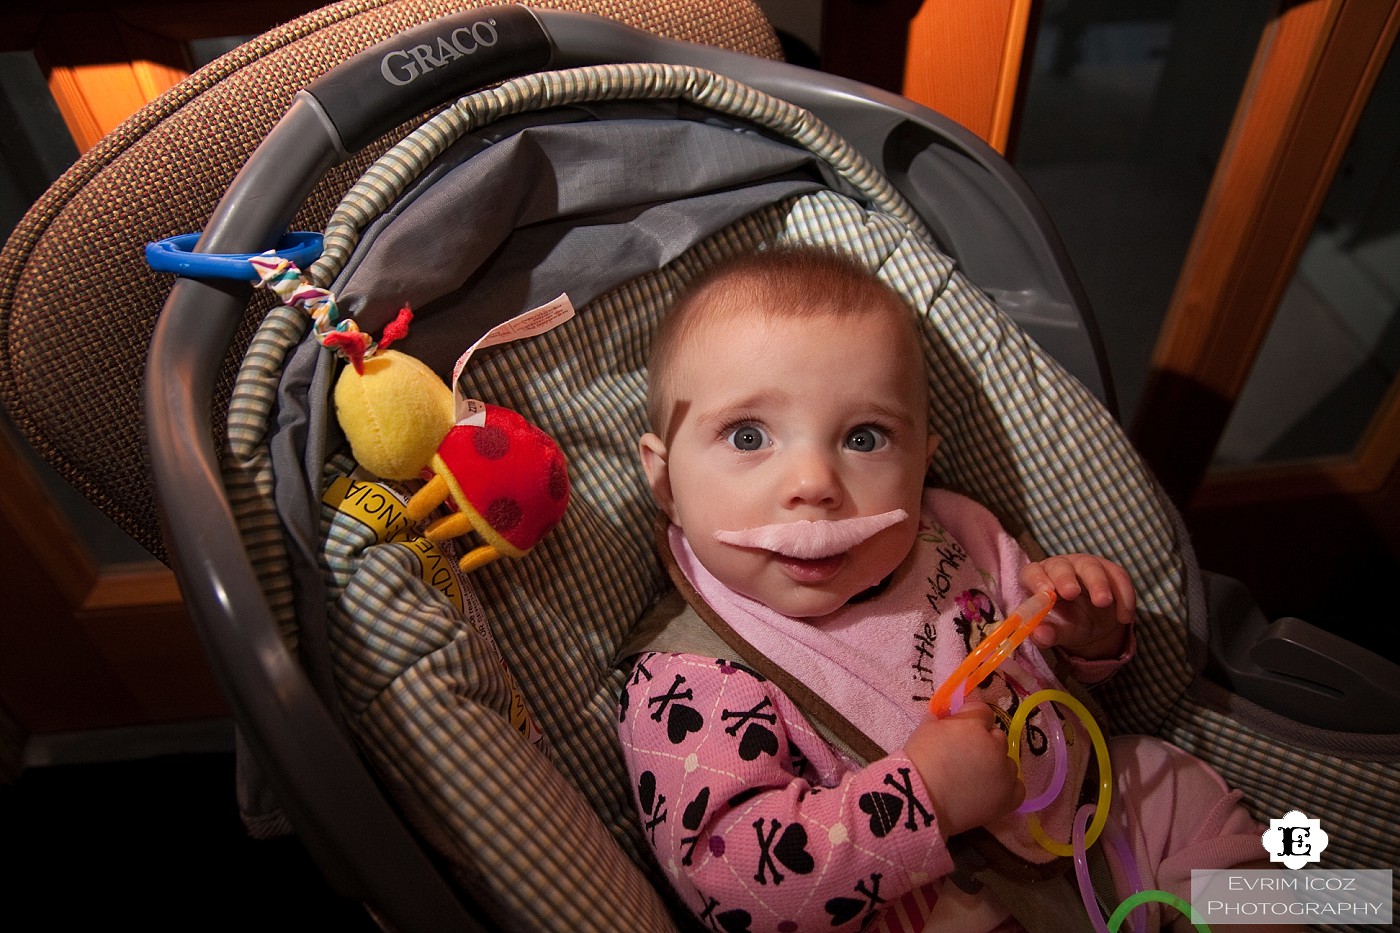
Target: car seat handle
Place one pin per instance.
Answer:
(374, 91)
(1295, 669)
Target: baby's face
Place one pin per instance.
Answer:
(778, 420)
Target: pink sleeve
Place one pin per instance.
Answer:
(755, 819)
(1090, 673)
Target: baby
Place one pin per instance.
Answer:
(802, 784)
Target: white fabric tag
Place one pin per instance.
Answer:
(527, 324)
(472, 412)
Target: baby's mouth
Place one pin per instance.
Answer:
(811, 569)
(819, 543)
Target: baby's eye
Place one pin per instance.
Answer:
(747, 437)
(866, 439)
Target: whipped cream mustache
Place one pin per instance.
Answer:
(812, 540)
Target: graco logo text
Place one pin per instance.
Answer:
(404, 66)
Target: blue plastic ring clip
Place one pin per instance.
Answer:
(175, 255)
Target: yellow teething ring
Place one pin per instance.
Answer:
(1013, 738)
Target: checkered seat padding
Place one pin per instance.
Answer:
(488, 704)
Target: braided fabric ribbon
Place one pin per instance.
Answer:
(343, 336)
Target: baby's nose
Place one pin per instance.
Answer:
(813, 480)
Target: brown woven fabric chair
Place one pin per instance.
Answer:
(77, 302)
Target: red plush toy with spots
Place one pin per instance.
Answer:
(507, 479)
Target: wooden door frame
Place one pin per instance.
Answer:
(86, 645)
(1315, 67)
(1313, 73)
(1311, 78)
(967, 61)
(964, 59)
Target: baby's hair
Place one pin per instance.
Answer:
(790, 281)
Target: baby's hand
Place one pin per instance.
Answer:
(962, 758)
(1096, 604)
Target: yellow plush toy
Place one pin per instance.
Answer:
(394, 411)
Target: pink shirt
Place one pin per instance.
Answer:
(757, 820)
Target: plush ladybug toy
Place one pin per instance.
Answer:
(507, 480)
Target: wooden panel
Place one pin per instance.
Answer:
(104, 62)
(1313, 73)
(965, 59)
(101, 70)
(962, 58)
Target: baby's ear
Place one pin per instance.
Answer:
(653, 453)
(933, 441)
